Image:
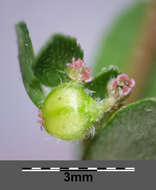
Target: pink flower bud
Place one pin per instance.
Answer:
(125, 78)
(78, 71)
(121, 86)
(85, 76)
(76, 64)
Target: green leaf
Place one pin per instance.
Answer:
(130, 134)
(99, 84)
(118, 46)
(26, 59)
(51, 62)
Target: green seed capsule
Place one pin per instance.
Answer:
(68, 111)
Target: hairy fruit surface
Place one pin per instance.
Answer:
(68, 111)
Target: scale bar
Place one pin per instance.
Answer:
(80, 169)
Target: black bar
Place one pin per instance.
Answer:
(78, 170)
(120, 168)
(45, 168)
(82, 168)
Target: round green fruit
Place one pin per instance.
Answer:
(68, 111)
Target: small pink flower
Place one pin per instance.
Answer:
(76, 64)
(121, 86)
(85, 76)
(123, 77)
(78, 71)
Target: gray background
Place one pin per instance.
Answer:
(142, 179)
(20, 134)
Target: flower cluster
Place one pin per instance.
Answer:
(78, 71)
(121, 86)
